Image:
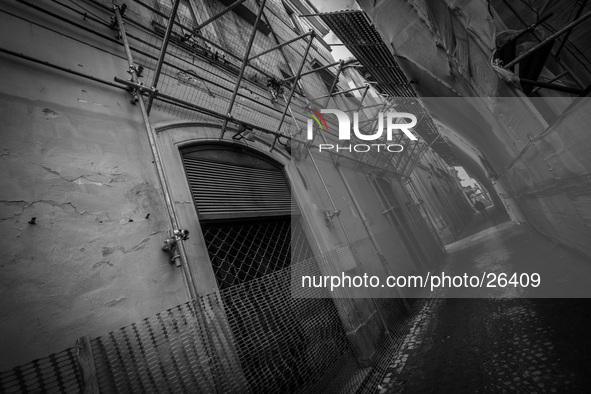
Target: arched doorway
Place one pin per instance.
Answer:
(254, 237)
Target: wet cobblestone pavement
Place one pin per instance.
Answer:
(500, 344)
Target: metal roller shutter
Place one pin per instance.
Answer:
(226, 184)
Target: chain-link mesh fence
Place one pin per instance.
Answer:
(255, 336)
(57, 373)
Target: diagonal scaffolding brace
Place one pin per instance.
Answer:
(163, 49)
(310, 33)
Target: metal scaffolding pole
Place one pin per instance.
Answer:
(334, 83)
(193, 107)
(279, 46)
(542, 11)
(244, 64)
(560, 32)
(163, 48)
(410, 157)
(375, 121)
(186, 269)
(337, 93)
(399, 161)
(358, 108)
(552, 86)
(556, 78)
(293, 88)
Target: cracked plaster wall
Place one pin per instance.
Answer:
(92, 262)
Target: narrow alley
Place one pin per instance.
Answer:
(505, 343)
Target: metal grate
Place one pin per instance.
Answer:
(251, 337)
(244, 251)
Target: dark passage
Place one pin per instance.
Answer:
(501, 343)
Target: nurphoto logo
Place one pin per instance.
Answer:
(394, 121)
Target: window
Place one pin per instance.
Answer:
(294, 19)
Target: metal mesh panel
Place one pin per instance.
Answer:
(251, 337)
(57, 373)
(243, 251)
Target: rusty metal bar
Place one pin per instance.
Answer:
(281, 45)
(163, 48)
(293, 88)
(243, 67)
(544, 42)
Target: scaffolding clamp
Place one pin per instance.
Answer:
(329, 216)
(170, 245)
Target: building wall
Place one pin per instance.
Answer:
(540, 170)
(77, 158)
(448, 208)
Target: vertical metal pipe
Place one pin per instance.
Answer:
(293, 88)
(243, 67)
(163, 48)
(186, 269)
(409, 157)
(417, 158)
